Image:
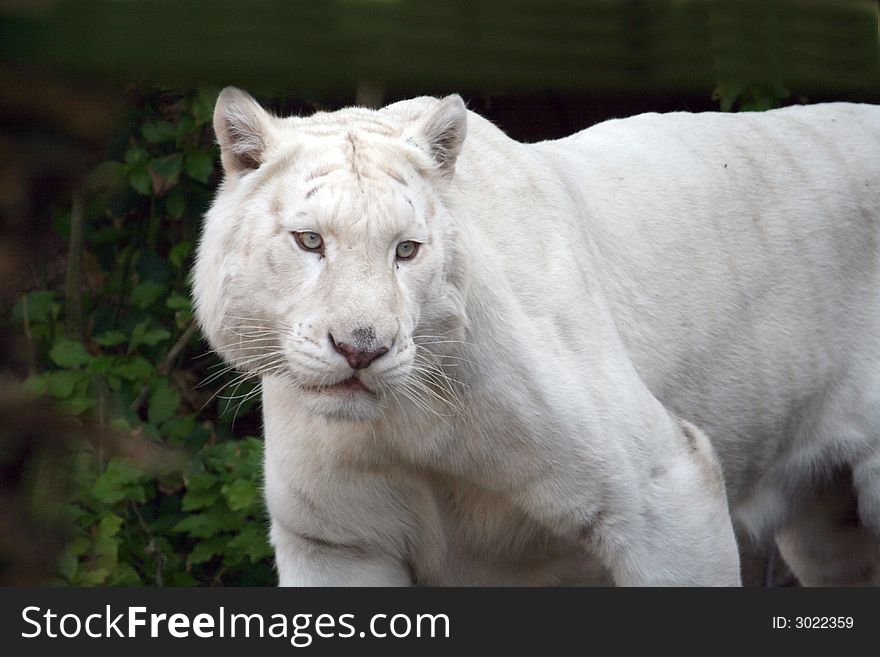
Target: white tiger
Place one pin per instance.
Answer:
(475, 353)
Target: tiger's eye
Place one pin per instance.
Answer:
(407, 249)
(309, 241)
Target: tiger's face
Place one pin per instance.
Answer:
(327, 255)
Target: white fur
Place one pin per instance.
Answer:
(570, 302)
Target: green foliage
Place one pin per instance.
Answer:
(193, 515)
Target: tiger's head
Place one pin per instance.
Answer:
(328, 257)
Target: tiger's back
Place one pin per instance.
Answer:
(738, 254)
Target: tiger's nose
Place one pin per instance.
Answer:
(358, 359)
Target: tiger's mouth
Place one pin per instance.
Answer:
(351, 384)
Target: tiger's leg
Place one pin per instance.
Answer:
(658, 518)
(688, 536)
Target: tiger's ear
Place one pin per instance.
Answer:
(442, 131)
(243, 130)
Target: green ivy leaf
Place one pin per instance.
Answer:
(194, 500)
(106, 551)
(102, 364)
(185, 129)
(182, 579)
(208, 523)
(62, 383)
(125, 575)
(69, 353)
(146, 293)
(156, 132)
(155, 336)
(77, 405)
(179, 253)
(163, 402)
(179, 427)
(199, 165)
(177, 301)
(203, 105)
(142, 335)
(136, 155)
(78, 546)
(109, 525)
(164, 173)
(201, 481)
(136, 369)
(205, 550)
(139, 179)
(120, 424)
(37, 385)
(68, 564)
(121, 480)
(252, 541)
(94, 577)
(240, 494)
(110, 338)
